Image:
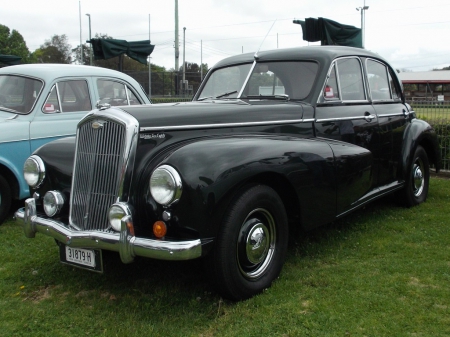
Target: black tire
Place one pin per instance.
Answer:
(251, 245)
(418, 179)
(5, 199)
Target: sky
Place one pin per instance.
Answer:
(413, 35)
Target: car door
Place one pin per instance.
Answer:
(392, 116)
(68, 100)
(344, 113)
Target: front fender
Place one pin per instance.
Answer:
(213, 169)
(419, 132)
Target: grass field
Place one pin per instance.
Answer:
(382, 271)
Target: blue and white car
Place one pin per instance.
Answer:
(43, 102)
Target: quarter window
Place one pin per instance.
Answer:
(331, 90)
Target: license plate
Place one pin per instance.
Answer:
(84, 258)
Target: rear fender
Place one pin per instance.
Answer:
(419, 132)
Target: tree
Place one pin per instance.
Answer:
(55, 50)
(12, 43)
(86, 55)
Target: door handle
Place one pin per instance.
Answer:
(369, 117)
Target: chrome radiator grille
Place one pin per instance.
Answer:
(98, 165)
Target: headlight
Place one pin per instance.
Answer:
(165, 185)
(53, 203)
(116, 213)
(34, 171)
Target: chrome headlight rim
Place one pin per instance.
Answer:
(53, 203)
(115, 214)
(37, 163)
(173, 186)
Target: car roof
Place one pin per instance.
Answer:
(319, 53)
(49, 71)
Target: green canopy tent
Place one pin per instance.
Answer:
(330, 32)
(108, 48)
(9, 60)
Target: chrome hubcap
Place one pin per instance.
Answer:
(256, 243)
(418, 178)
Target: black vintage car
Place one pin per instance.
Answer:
(294, 137)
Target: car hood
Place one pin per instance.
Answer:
(212, 113)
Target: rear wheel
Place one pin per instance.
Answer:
(251, 245)
(5, 199)
(418, 179)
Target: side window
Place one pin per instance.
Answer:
(132, 97)
(116, 93)
(331, 90)
(380, 87)
(68, 96)
(350, 79)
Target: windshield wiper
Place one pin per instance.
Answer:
(283, 97)
(218, 96)
(8, 109)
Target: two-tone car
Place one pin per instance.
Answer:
(289, 137)
(43, 102)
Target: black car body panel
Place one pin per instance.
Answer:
(344, 140)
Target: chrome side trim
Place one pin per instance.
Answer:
(124, 242)
(392, 115)
(219, 125)
(340, 119)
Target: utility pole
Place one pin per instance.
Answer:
(184, 62)
(177, 48)
(201, 60)
(149, 64)
(81, 43)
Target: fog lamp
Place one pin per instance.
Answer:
(53, 203)
(116, 213)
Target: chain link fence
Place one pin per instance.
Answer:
(437, 113)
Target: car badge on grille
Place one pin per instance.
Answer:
(97, 125)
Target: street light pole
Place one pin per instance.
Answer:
(81, 43)
(184, 62)
(90, 50)
(363, 20)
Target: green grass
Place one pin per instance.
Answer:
(382, 271)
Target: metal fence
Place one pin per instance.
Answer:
(437, 113)
(168, 84)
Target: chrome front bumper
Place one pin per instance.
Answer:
(123, 242)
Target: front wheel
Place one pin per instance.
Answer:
(418, 179)
(251, 245)
(5, 199)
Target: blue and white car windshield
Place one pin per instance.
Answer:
(18, 94)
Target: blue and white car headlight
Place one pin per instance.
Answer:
(34, 171)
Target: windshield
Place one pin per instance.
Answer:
(292, 78)
(18, 94)
(225, 82)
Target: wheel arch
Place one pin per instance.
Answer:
(419, 133)
(12, 179)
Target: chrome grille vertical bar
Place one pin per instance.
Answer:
(104, 152)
